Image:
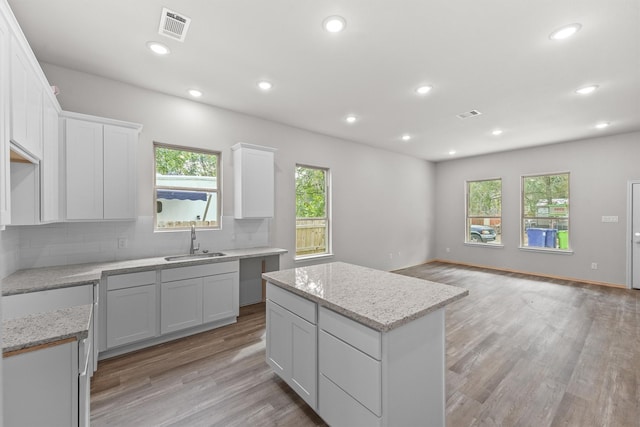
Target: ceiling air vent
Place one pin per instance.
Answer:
(173, 25)
(468, 114)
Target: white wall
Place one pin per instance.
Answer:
(600, 170)
(382, 202)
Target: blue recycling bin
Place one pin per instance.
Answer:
(550, 239)
(537, 236)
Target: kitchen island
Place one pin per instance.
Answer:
(362, 347)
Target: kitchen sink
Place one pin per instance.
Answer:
(193, 256)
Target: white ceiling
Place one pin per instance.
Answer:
(493, 55)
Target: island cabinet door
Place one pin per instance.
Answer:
(292, 351)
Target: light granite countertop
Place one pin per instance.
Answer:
(378, 299)
(39, 279)
(44, 328)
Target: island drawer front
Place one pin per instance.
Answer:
(361, 337)
(353, 371)
(202, 270)
(339, 409)
(130, 280)
(302, 307)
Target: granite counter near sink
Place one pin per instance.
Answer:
(39, 279)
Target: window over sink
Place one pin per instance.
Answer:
(187, 188)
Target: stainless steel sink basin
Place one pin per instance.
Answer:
(193, 256)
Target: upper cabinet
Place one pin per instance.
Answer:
(100, 168)
(5, 185)
(253, 181)
(26, 102)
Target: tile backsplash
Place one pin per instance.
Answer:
(74, 243)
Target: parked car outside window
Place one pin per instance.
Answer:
(482, 233)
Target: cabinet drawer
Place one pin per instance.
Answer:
(338, 409)
(353, 371)
(202, 270)
(362, 337)
(122, 281)
(302, 307)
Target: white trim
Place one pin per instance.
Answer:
(629, 267)
(546, 250)
(313, 257)
(485, 245)
(101, 120)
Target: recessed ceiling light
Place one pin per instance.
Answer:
(265, 85)
(564, 32)
(406, 137)
(158, 48)
(195, 93)
(603, 125)
(423, 90)
(351, 119)
(452, 152)
(497, 132)
(587, 90)
(334, 24)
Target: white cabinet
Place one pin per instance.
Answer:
(131, 312)
(50, 165)
(253, 172)
(192, 296)
(26, 102)
(41, 387)
(292, 342)
(5, 185)
(100, 168)
(181, 305)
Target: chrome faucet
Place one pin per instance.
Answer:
(192, 248)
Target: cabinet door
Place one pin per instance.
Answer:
(181, 305)
(26, 103)
(119, 172)
(5, 185)
(278, 340)
(304, 362)
(131, 315)
(41, 387)
(50, 165)
(84, 165)
(254, 180)
(220, 297)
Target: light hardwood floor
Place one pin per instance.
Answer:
(521, 351)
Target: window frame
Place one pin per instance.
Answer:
(327, 203)
(467, 226)
(523, 218)
(217, 190)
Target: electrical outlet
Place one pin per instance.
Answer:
(610, 218)
(390, 255)
(123, 242)
(448, 250)
(594, 265)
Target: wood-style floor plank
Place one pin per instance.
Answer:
(521, 351)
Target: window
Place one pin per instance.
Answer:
(484, 211)
(545, 211)
(186, 188)
(312, 207)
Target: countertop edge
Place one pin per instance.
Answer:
(77, 330)
(110, 268)
(380, 327)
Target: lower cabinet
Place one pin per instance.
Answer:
(131, 315)
(49, 385)
(292, 342)
(144, 308)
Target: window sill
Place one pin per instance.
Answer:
(312, 257)
(547, 250)
(485, 245)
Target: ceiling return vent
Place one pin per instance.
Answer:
(173, 24)
(468, 114)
